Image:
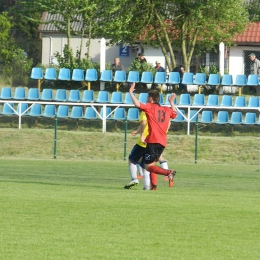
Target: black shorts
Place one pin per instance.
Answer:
(153, 153)
(136, 156)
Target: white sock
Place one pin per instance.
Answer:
(146, 179)
(164, 165)
(133, 171)
(140, 169)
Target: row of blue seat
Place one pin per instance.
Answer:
(223, 117)
(147, 77)
(117, 97)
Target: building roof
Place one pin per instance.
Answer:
(250, 35)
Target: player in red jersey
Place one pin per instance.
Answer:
(158, 118)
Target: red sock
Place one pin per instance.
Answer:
(157, 170)
(153, 179)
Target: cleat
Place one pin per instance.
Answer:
(153, 187)
(171, 175)
(130, 185)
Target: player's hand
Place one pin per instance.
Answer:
(132, 87)
(172, 97)
(134, 133)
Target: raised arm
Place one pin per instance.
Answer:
(171, 100)
(131, 91)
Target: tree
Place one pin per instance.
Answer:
(253, 8)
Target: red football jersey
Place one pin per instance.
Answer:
(158, 118)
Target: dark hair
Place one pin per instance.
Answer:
(154, 94)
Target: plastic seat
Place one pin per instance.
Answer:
(119, 114)
(180, 116)
(200, 79)
(227, 80)
(198, 100)
(102, 96)
(120, 76)
(236, 118)
(240, 80)
(240, 101)
(187, 78)
(90, 113)
(226, 101)
(77, 75)
(88, 96)
(36, 110)
(91, 75)
(76, 112)
(33, 94)
(214, 80)
(106, 76)
(253, 102)
(166, 102)
(143, 97)
(222, 117)
(6, 93)
(147, 77)
(160, 78)
(61, 95)
(74, 95)
(63, 111)
(49, 111)
(174, 78)
(47, 94)
(133, 114)
(161, 101)
(250, 118)
(7, 109)
(252, 80)
(36, 73)
(108, 113)
(50, 74)
(64, 74)
(206, 117)
(128, 99)
(19, 93)
(116, 97)
(23, 107)
(212, 100)
(133, 76)
(184, 100)
(194, 115)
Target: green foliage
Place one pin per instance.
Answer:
(212, 69)
(141, 67)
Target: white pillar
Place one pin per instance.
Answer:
(102, 60)
(221, 63)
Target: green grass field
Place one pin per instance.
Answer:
(64, 209)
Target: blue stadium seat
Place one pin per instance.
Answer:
(240, 80)
(253, 102)
(76, 112)
(240, 101)
(198, 100)
(147, 77)
(120, 76)
(36, 110)
(222, 117)
(227, 80)
(19, 93)
(49, 111)
(47, 94)
(23, 107)
(128, 99)
(184, 99)
(133, 114)
(212, 100)
(8, 109)
(119, 114)
(91, 75)
(166, 102)
(236, 118)
(90, 113)
(143, 97)
(74, 95)
(250, 118)
(33, 94)
(77, 75)
(36, 73)
(160, 78)
(174, 78)
(50, 74)
(64, 74)
(88, 96)
(61, 95)
(108, 113)
(63, 111)
(226, 101)
(252, 80)
(133, 76)
(187, 78)
(161, 101)
(200, 79)
(180, 116)
(116, 97)
(206, 117)
(106, 76)
(214, 80)
(194, 115)
(102, 96)
(6, 93)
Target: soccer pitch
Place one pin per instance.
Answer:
(61, 209)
